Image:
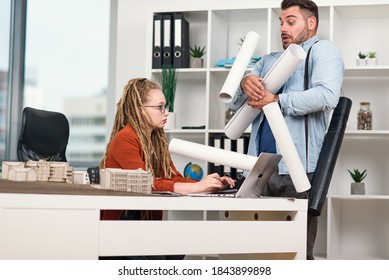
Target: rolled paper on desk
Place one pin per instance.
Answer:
(212, 154)
(287, 148)
(239, 67)
(273, 81)
(328, 155)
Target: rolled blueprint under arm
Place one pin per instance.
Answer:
(287, 148)
(273, 81)
(211, 154)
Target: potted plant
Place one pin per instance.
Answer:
(358, 187)
(169, 84)
(361, 61)
(241, 40)
(197, 53)
(371, 58)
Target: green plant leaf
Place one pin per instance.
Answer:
(362, 55)
(197, 51)
(169, 84)
(372, 54)
(358, 176)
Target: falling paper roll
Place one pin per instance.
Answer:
(211, 154)
(273, 81)
(287, 148)
(236, 73)
(240, 121)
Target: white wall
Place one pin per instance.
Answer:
(132, 20)
(132, 25)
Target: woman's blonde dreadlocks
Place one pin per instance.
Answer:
(156, 151)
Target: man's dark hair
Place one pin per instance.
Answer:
(308, 6)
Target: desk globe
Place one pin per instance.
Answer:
(193, 171)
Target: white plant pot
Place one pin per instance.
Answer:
(371, 61)
(171, 121)
(361, 62)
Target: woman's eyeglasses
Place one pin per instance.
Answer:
(161, 108)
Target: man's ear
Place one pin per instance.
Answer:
(312, 23)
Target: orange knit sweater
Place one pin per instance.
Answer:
(126, 152)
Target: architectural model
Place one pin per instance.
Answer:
(139, 181)
(126, 180)
(41, 170)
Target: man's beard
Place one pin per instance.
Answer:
(301, 38)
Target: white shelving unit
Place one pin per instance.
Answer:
(351, 227)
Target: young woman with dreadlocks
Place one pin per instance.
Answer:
(138, 141)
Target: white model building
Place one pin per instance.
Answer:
(116, 179)
(9, 172)
(41, 170)
(21, 174)
(80, 177)
(126, 180)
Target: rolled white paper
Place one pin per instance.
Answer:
(239, 67)
(212, 154)
(283, 68)
(245, 116)
(273, 81)
(287, 148)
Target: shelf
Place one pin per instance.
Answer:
(196, 131)
(351, 257)
(216, 130)
(186, 73)
(367, 72)
(366, 133)
(223, 69)
(363, 11)
(358, 197)
(185, 131)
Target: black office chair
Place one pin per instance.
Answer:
(44, 135)
(329, 154)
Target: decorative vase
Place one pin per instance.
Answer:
(358, 188)
(365, 117)
(171, 121)
(196, 62)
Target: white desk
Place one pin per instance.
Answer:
(59, 226)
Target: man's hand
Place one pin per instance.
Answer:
(257, 95)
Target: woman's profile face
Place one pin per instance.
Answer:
(155, 108)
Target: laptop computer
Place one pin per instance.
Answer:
(255, 181)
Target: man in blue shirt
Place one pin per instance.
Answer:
(306, 109)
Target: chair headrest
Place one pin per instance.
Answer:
(44, 132)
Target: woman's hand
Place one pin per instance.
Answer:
(227, 181)
(213, 182)
(210, 183)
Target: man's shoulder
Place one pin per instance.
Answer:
(324, 44)
(325, 48)
(271, 56)
(274, 54)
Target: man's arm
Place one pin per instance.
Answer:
(326, 80)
